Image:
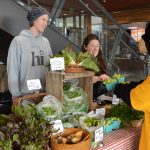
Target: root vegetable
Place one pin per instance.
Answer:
(75, 140)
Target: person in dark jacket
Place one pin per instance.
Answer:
(144, 46)
(136, 95)
(146, 38)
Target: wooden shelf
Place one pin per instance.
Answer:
(55, 80)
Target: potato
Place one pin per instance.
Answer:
(78, 134)
(75, 140)
(59, 140)
(69, 139)
(64, 140)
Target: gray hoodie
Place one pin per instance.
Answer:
(27, 57)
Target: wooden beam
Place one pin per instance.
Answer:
(129, 16)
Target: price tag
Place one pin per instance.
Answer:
(57, 63)
(58, 126)
(115, 100)
(90, 113)
(98, 135)
(34, 84)
(100, 111)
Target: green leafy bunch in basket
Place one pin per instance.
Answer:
(111, 82)
(78, 59)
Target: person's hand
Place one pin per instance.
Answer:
(95, 79)
(103, 77)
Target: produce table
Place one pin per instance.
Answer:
(122, 139)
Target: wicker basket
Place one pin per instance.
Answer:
(83, 145)
(74, 69)
(37, 97)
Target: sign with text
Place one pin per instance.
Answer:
(115, 100)
(57, 63)
(100, 111)
(57, 126)
(98, 135)
(34, 84)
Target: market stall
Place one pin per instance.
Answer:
(65, 118)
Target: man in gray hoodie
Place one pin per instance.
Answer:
(28, 54)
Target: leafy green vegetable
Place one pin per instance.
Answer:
(75, 99)
(78, 59)
(89, 63)
(6, 145)
(69, 56)
(81, 56)
(73, 94)
(67, 86)
(25, 129)
(48, 111)
(125, 113)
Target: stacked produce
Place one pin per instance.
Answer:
(119, 77)
(92, 122)
(111, 82)
(70, 139)
(111, 123)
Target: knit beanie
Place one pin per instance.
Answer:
(35, 13)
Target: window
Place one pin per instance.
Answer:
(137, 33)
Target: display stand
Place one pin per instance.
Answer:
(55, 81)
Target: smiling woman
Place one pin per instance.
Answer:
(91, 44)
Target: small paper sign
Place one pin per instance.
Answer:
(98, 135)
(90, 113)
(115, 100)
(34, 84)
(100, 111)
(57, 63)
(58, 126)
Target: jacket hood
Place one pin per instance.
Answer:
(28, 34)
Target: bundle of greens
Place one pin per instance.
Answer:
(74, 98)
(78, 59)
(125, 113)
(24, 130)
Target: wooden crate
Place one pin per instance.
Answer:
(55, 80)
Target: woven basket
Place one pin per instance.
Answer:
(37, 97)
(83, 145)
(74, 69)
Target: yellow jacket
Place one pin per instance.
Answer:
(140, 100)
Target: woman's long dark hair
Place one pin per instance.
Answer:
(100, 59)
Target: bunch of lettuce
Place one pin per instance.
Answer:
(74, 99)
(79, 59)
